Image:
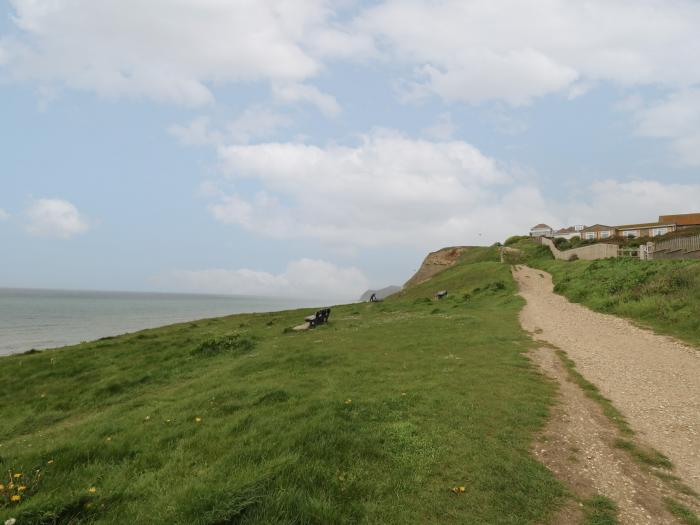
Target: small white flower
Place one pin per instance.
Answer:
(11, 521)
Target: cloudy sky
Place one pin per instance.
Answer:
(315, 148)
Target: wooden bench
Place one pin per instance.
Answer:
(319, 318)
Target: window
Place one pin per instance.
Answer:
(604, 235)
(660, 231)
(629, 234)
(590, 236)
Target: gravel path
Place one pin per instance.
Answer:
(577, 445)
(653, 380)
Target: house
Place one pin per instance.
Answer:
(650, 229)
(683, 221)
(597, 232)
(541, 230)
(569, 232)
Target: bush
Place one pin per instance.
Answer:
(561, 243)
(236, 344)
(515, 238)
(573, 257)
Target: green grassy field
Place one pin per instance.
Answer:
(373, 418)
(664, 294)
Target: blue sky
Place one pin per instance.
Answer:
(315, 148)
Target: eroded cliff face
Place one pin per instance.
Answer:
(436, 262)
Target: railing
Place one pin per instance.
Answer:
(686, 244)
(629, 252)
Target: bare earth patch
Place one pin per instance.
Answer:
(434, 263)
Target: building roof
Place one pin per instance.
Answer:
(684, 219)
(644, 225)
(597, 228)
(569, 229)
(541, 227)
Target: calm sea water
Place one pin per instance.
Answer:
(50, 318)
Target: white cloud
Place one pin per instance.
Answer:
(256, 123)
(55, 218)
(676, 118)
(389, 189)
(443, 129)
(304, 278)
(614, 202)
(4, 215)
(172, 51)
(196, 133)
(517, 50)
(291, 93)
(393, 190)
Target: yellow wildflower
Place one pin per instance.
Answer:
(18, 475)
(198, 419)
(22, 488)
(348, 401)
(50, 462)
(2, 487)
(16, 498)
(109, 438)
(147, 418)
(92, 490)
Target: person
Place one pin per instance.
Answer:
(373, 298)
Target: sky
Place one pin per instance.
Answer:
(314, 148)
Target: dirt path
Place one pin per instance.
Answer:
(577, 445)
(653, 380)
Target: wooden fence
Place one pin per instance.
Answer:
(678, 248)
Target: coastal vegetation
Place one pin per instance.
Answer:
(411, 410)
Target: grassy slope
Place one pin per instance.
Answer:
(664, 295)
(370, 419)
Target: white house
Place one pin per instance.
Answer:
(541, 230)
(570, 232)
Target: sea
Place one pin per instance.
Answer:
(38, 319)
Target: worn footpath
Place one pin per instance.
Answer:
(653, 380)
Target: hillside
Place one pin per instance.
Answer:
(382, 293)
(373, 418)
(434, 263)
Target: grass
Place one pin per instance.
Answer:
(664, 294)
(682, 512)
(373, 418)
(600, 510)
(653, 458)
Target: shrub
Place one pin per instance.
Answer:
(236, 343)
(573, 257)
(561, 243)
(496, 286)
(514, 238)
